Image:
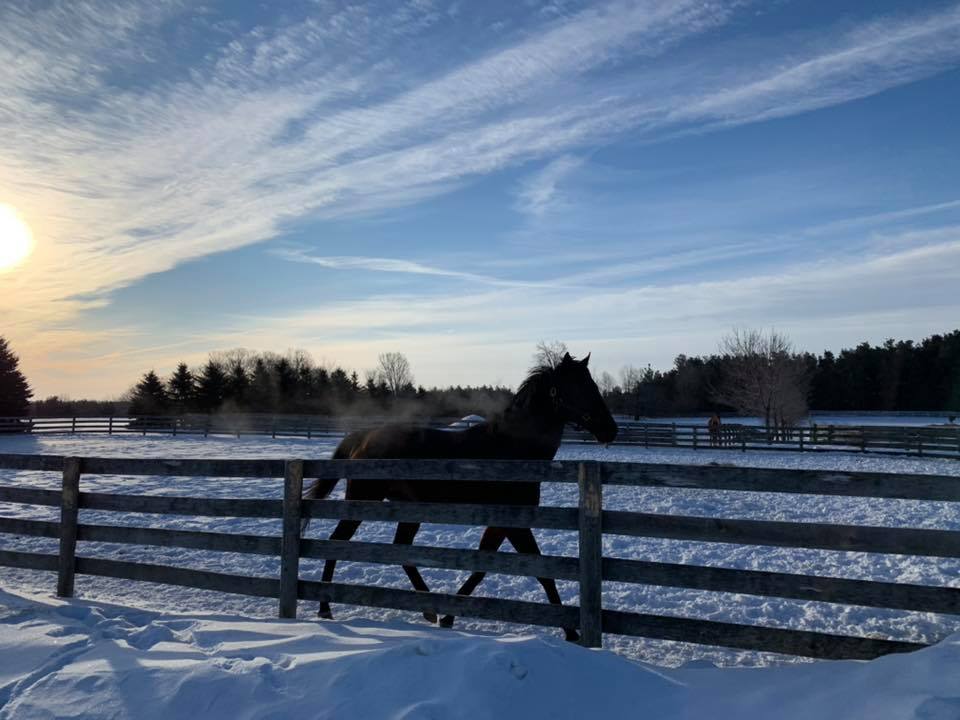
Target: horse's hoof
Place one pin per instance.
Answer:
(446, 621)
(430, 617)
(325, 613)
(572, 635)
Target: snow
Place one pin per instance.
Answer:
(85, 659)
(820, 418)
(397, 632)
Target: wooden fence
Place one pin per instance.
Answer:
(929, 441)
(590, 569)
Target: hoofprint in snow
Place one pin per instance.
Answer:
(87, 659)
(840, 619)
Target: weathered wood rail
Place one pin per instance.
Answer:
(590, 569)
(926, 441)
(929, 441)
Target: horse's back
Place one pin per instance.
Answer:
(346, 448)
(411, 442)
(397, 441)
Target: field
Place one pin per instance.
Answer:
(717, 606)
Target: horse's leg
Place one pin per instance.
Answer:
(344, 531)
(523, 541)
(406, 532)
(492, 539)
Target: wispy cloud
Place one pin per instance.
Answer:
(394, 265)
(539, 193)
(867, 60)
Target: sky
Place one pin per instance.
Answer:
(457, 181)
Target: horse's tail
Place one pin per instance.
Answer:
(322, 488)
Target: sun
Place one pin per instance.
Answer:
(16, 240)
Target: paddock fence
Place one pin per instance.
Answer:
(589, 520)
(941, 441)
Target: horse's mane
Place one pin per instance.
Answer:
(529, 388)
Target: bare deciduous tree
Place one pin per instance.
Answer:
(393, 368)
(606, 383)
(549, 354)
(631, 379)
(763, 376)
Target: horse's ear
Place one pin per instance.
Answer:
(586, 360)
(566, 358)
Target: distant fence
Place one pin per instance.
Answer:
(590, 569)
(931, 441)
(307, 426)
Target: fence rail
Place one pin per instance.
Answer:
(929, 441)
(590, 569)
(933, 441)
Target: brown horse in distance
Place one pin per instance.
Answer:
(531, 428)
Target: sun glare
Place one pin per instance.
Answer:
(16, 240)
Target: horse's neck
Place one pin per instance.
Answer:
(539, 432)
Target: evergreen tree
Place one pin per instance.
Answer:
(286, 380)
(182, 389)
(306, 388)
(343, 385)
(149, 396)
(211, 387)
(237, 384)
(261, 395)
(15, 392)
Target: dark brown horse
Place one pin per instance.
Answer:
(531, 428)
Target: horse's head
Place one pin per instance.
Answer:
(577, 399)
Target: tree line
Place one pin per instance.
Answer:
(752, 373)
(242, 381)
(760, 374)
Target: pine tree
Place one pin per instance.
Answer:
(149, 396)
(261, 395)
(182, 389)
(211, 387)
(286, 384)
(15, 392)
(238, 384)
(343, 385)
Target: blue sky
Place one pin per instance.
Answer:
(457, 181)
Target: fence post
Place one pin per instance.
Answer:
(290, 541)
(591, 554)
(69, 509)
(801, 430)
(73, 426)
(694, 437)
(674, 426)
(110, 426)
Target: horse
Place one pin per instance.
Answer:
(713, 425)
(531, 428)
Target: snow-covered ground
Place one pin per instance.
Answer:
(87, 659)
(925, 627)
(890, 419)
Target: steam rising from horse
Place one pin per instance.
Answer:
(531, 428)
